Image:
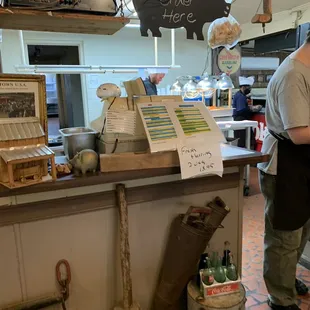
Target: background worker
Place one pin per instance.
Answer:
(151, 82)
(242, 110)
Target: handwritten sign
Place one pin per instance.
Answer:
(200, 158)
(229, 61)
(174, 17)
(171, 14)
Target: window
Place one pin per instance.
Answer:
(63, 91)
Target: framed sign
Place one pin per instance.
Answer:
(229, 61)
(171, 14)
(23, 96)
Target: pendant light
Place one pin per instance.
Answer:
(190, 89)
(176, 88)
(207, 86)
(225, 82)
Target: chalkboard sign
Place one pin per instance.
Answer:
(171, 14)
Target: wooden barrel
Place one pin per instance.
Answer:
(234, 301)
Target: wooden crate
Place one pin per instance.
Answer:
(138, 161)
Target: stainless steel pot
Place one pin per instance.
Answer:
(77, 139)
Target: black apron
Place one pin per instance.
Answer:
(292, 197)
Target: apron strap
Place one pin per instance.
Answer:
(277, 136)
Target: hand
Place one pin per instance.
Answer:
(255, 108)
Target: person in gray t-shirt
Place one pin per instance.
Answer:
(285, 179)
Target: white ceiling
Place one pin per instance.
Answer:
(242, 10)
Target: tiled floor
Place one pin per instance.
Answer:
(253, 252)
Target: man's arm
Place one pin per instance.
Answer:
(242, 106)
(300, 135)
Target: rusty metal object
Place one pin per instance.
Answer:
(44, 302)
(219, 212)
(63, 281)
(36, 304)
(188, 238)
(266, 17)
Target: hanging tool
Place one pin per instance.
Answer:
(128, 303)
(64, 280)
(44, 302)
(265, 18)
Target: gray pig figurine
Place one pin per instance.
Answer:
(84, 161)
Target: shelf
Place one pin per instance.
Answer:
(60, 21)
(232, 157)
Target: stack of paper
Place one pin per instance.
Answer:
(188, 128)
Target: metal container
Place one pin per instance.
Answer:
(233, 301)
(186, 241)
(77, 139)
(232, 141)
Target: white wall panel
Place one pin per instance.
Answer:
(90, 242)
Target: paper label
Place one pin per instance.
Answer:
(121, 122)
(93, 81)
(223, 289)
(193, 120)
(189, 128)
(199, 158)
(159, 127)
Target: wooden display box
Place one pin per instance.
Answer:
(138, 161)
(23, 154)
(219, 289)
(117, 143)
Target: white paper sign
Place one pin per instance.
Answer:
(166, 123)
(198, 159)
(121, 122)
(193, 120)
(158, 126)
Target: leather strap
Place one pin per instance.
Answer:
(277, 136)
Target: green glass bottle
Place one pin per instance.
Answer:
(232, 273)
(219, 275)
(208, 274)
(214, 259)
(225, 260)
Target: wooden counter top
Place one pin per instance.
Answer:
(232, 157)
